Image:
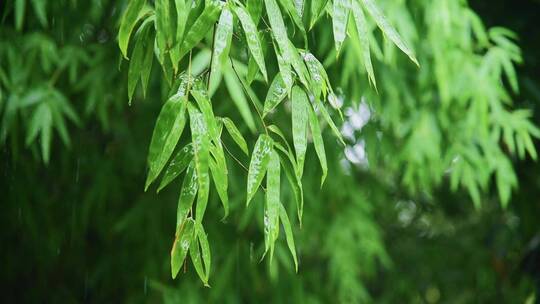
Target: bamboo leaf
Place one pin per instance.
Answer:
(317, 8)
(252, 38)
(177, 165)
(201, 148)
(138, 57)
(129, 19)
(218, 168)
(329, 120)
(300, 106)
(169, 127)
(388, 30)
(318, 142)
(340, 19)
(181, 244)
(199, 93)
(188, 192)
(271, 210)
(205, 248)
(258, 165)
(362, 29)
(20, 8)
(200, 28)
(237, 95)
(288, 234)
(222, 43)
(235, 134)
(164, 29)
(289, 166)
(276, 93)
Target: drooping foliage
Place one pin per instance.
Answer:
(348, 100)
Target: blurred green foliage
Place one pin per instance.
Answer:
(415, 207)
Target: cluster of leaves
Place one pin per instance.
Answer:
(178, 28)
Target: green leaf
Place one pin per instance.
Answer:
(252, 38)
(271, 210)
(362, 28)
(258, 165)
(294, 10)
(388, 29)
(130, 18)
(339, 22)
(218, 168)
(317, 8)
(200, 240)
(238, 97)
(201, 27)
(189, 190)
(169, 127)
(235, 134)
(318, 142)
(276, 93)
(329, 120)
(205, 248)
(222, 42)
(279, 32)
(41, 11)
(319, 78)
(147, 66)
(199, 93)
(195, 254)
(138, 58)
(164, 28)
(288, 234)
(254, 7)
(20, 8)
(183, 10)
(181, 244)
(177, 165)
(289, 166)
(300, 106)
(201, 148)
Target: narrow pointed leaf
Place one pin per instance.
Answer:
(136, 64)
(288, 234)
(339, 22)
(205, 249)
(169, 127)
(195, 254)
(177, 165)
(222, 43)
(181, 245)
(218, 168)
(271, 212)
(362, 29)
(329, 121)
(276, 93)
(300, 106)
(318, 142)
(289, 166)
(130, 18)
(252, 38)
(235, 134)
(388, 30)
(258, 165)
(187, 194)
(239, 98)
(201, 148)
(199, 93)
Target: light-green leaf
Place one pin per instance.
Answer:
(201, 148)
(199, 93)
(362, 29)
(339, 22)
(184, 235)
(271, 210)
(318, 142)
(288, 234)
(187, 194)
(388, 30)
(276, 93)
(239, 98)
(329, 120)
(222, 43)
(252, 38)
(300, 106)
(218, 168)
(235, 134)
(177, 165)
(130, 18)
(169, 127)
(258, 165)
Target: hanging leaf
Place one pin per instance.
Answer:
(201, 148)
(288, 234)
(238, 97)
(362, 29)
(188, 192)
(299, 115)
(180, 247)
(289, 166)
(222, 43)
(138, 57)
(317, 9)
(340, 19)
(199, 93)
(276, 93)
(258, 165)
(177, 165)
(235, 134)
(218, 168)
(169, 127)
(388, 29)
(20, 8)
(318, 142)
(271, 209)
(205, 248)
(164, 28)
(329, 120)
(252, 38)
(130, 18)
